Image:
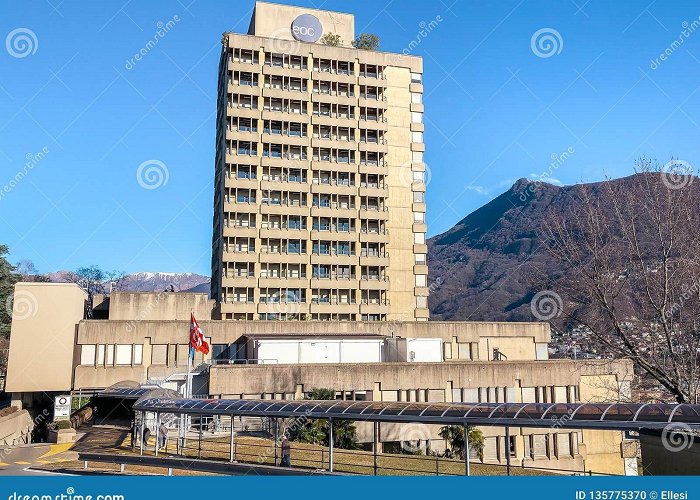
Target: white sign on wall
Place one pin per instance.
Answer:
(61, 407)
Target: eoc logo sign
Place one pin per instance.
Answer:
(307, 28)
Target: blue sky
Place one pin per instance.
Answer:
(496, 110)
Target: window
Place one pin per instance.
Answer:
(87, 355)
(421, 280)
(159, 354)
(416, 136)
(123, 354)
(417, 156)
(421, 302)
(419, 238)
(110, 354)
(138, 354)
(416, 117)
(420, 258)
(419, 217)
(418, 197)
(416, 97)
(416, 78)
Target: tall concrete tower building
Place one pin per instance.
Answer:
(319, 204)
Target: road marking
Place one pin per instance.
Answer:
(23, 463)
(3, 464)
(29, 469)
(55, 449)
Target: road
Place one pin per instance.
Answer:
(17, 461)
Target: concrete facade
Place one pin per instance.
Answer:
(319, 203)
(319, 217)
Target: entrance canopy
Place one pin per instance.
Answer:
(617, 416)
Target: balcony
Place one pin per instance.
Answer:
(374, 307)
(333, 306)
(239, 281)
(374, 213)
(374, 236)
(283, 233)
(244, 232)
(285, 70)
(283, 256)
(374, 259)
(243, 89)
(284, 209)
(333, 258)
(374, 189)
(282, 280)
(234, 181)
(333, 188)
(371, 282)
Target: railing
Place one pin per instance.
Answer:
(205, 444)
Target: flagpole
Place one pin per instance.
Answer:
(188, 383)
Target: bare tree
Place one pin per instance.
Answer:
(631, 275)
(95, 280)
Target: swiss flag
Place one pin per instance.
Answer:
(197, 342)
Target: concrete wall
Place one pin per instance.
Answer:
(147, 306)
(44, 328)
(275, 20)
(16, 428)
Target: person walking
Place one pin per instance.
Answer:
(162, 436)
(94, 414)
(286, 453)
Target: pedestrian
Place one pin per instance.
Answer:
(94, 414)
(286, 453)
(146, 435)
(162, 436)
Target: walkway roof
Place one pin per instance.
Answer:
(619, 416)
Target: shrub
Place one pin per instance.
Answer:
(63, 424)
(366, 41)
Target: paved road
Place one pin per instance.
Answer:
(16, 461)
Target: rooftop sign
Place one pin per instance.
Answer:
(307, 28)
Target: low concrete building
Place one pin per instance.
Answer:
(144, 339)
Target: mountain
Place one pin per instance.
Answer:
(483, 268)
(156, 282)
(153, 282)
